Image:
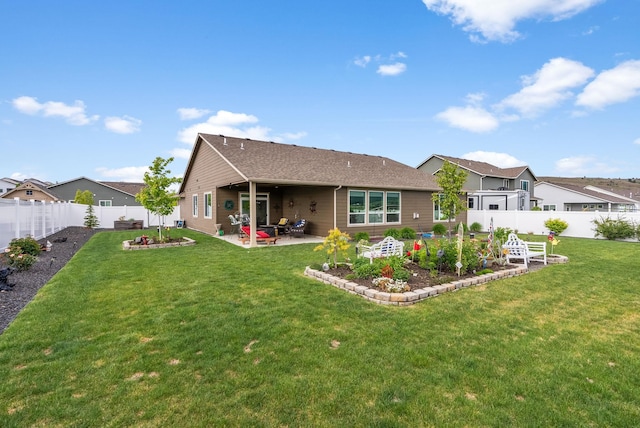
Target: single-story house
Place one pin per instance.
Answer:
(490, 187)
(570, 197)
(328, 188)
(105, 193)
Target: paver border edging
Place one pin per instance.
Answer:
(411, 297)
(126, 245)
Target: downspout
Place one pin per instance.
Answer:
(335, 206)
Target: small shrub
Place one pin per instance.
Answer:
(22, 253)
(613, 229)
(556, 225)
(407, 233)
(475, 227)
(28, 245)
(439, 229)
(394, 233)
(361, 236)
(536, 208)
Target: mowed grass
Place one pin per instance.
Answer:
(218, 335)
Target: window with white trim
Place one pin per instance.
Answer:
(194, 205)
(551, 207)
(207, 205)
(373, 207)
(104, 203)
(524, 185)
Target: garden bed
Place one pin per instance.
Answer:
(180, 242)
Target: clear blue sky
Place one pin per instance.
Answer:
(99, 89)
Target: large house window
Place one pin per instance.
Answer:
(373, 207)
(194, 205)
(393, 207)
(104, 203)
(207, 205)
(376, 207)
(524, 185)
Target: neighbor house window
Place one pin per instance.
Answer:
(470, 203)
(207, 205)
(194, 205)
(104, 203)
(494, 207)
(524, 185)
(373, 207)
(29, 192)
(548, 208)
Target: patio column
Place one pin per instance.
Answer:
(252, 214)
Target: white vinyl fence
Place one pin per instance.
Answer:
(580, 222)
(19, 219)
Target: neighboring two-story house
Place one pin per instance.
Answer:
(490, 187)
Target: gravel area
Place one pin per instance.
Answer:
(27, 283)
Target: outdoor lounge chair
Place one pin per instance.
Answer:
(297, 230)
(235, 224)
(282, 226)
(261, 236)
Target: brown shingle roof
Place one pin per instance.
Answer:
(485, 169)
(269, 162)
(130, 188)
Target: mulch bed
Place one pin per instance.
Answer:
(420, 277)
(27, 283)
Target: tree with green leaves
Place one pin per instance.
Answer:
(83, 197)
(86, 197)
(157, 196)
(450, 178)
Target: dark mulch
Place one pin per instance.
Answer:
(420, 277)
(27, 283)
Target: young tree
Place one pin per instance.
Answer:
(450, 178)
(86, 197)
(83, 197)
(90, 219)
(157, 196)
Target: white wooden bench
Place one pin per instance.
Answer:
(388, 247)
(524, 250)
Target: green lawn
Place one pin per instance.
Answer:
(219, 335)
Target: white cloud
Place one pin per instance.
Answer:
(616, 85)
(192, 113)
(122, 125)
(181, 153)
(74, 114)
(384, 68)
(130, 173)
(495, 20)
(470, 118)
(226, 123)
(583, 165)
(289, 136)
(501, 160)
(548, 86)
(392, 69)
(362, 61)
(636, 141)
